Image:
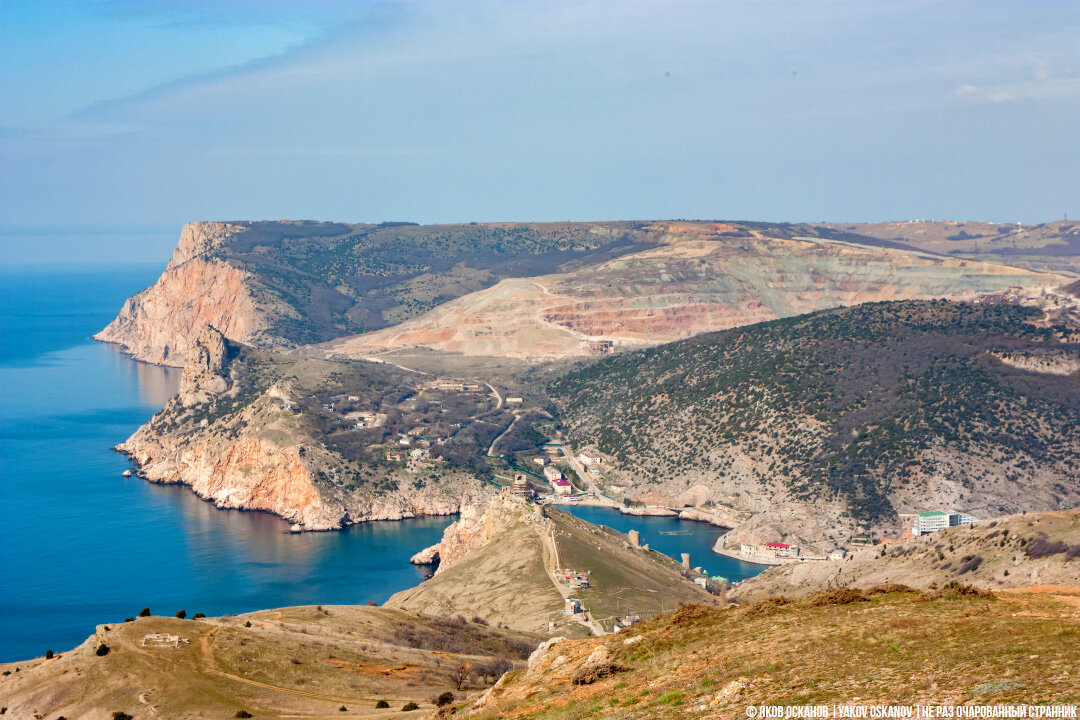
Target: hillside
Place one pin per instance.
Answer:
(1047, 247)
(827, 425)
(309, 662)
(1006, 552)
(499, 561)
(887, 647)
(288, 283)
(321, 444)
(528, 290)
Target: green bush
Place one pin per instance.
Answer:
(242, 714)
(409, 706)
(102, 650)
(381, 704)
(48, 654)
(445, 699)
(198, 616)
(181, 614)
(145, 612)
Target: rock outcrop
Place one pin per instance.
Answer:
(231, 435)
(160, 324)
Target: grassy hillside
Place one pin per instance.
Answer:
(308, 662)
(865, 406)
(886, 647)
(507, 577)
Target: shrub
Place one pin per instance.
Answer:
(445, 699)
(1043, 547)
(889, 588)
(181, 614)
(381, 704)
(971, 564)
(102, 650)
(48, 654)
(409, 706)
(129, 619)
(145, 612)
(198, 616)
(342, 709)
(121, 715)
(838, 596)
(242, 714)
(588, 674)
(247, 624)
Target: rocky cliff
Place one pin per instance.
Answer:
(530, 290)
(160, 324)
(235, 435)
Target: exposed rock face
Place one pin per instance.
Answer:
(205, 367)
(161, 323)
(692, 283)
(476, 527)
(237, 445)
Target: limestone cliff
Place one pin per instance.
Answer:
(234, 436)
(160, 324)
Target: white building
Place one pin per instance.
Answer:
(934, 520)
(552, 473)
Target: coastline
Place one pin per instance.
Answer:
(745, 559)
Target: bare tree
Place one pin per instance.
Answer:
(460, 675)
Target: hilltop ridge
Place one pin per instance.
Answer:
(529, 290)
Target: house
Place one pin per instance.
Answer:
(562, 486)
(393, 456)
(541, 461)
(552, 473)
(572, 606)
(514, 400)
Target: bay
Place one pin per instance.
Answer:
(80, 545)
(672, 536)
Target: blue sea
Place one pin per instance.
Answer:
(80, 545)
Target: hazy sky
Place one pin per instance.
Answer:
(126, 118)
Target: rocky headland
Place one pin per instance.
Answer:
(236, 434)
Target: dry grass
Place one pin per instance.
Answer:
(897, 647)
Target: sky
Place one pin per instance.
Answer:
(122, 119)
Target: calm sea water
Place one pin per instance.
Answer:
(672, 536)
(81, 545)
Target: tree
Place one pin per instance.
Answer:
(460, 675)
(445, 699)
(145, 612)
(181, 614)
(48, 654)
